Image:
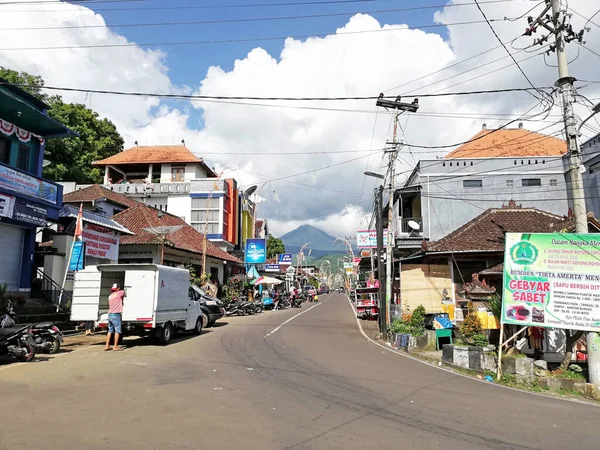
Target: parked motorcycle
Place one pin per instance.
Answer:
(47, 338)
(238, 306)
(17, 342)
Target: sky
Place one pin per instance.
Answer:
(307, 157)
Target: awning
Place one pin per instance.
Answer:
(69, 211)
(25, 116)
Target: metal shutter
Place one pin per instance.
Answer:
(11, 249)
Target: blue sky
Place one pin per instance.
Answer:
(188, 63)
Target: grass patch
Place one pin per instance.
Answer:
(570, 374)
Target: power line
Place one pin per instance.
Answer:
(240, 40)
(228, 97)
(241, 20)
(83, 2)
(504, 46)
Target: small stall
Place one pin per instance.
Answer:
(367, 302)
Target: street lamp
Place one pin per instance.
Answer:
(595, 110)
(370, 173)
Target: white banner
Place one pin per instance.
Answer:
(368, 238)
(100, 242)
(7, 204)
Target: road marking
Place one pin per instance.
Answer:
(391, 350)
(290, 319)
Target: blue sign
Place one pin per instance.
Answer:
(256, 251)
(285, 259)
(271, 267)
(77, 256)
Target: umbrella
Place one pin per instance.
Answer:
(267, 280)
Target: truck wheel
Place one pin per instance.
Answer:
(165, 333)
(198, 327)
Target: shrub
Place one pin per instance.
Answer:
(415, 326)
(480, 340)
(471, 326)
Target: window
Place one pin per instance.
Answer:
(531, 182)
(23, 158)
(4, 151)
(510, 183)
(213, 228)
(472, 183)
(200, 216)
(177, 173)
(553, 182)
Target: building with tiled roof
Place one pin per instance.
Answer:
(182, 245)
(95, 193)
(173, 179)
(508, 143)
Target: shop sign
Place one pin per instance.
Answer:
(552, 280)
(100, 242)
(7, 205)
(356, 261)
(22, 183)
(348, 265)
(271, 267)
(285, 259)
(256, 251)
(77, 259)
(29, 213)
(368, 238)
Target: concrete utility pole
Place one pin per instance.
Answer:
(563, 33)
(401, 107)
(379, 230)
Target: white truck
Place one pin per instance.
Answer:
(156, 303)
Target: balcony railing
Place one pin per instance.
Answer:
(142, 189)
(412, 231)
(208, 185)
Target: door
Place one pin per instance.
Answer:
(11, 251)
(140, 295)
(86, 295)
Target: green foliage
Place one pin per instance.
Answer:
(480, 340)
(314, 282)
(72, 158)
(274, 247)
(415, 326)
(235, 287)
(572, 374)
(495, 305)
(471, 326)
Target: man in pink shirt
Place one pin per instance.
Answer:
(115, 311)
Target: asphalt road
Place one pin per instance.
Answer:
(313, 383)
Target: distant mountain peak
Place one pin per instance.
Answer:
(317, 238)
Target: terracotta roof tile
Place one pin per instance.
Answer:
(140, 216)
(509, 143)
(486, 232)
(96, 192)
(152, 154)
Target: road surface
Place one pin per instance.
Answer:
(314, 382)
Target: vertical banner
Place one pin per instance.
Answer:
(77, 256)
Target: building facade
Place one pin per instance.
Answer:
(494, 168)
(174, 180)
(27, 201)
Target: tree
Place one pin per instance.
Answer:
(572, 338)
(274, 247)
(71, 159)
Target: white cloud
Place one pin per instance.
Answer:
(353, 65)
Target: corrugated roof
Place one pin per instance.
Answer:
(96, 192)
(140, 216)
(88, 216)
(152, 154)
(509, 143)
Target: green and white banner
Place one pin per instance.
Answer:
(552, 280)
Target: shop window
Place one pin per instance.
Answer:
(531, 182)
(4, 151)
(23, 157)
(177, 173)
(472, 183)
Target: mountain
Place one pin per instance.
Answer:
(321, 243)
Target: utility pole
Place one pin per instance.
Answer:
(563, 34)
(380, 275)
(400, 107)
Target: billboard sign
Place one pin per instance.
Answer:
(256, 251)
(271, 267)
(285, 259)
(100, 242)
(552, 280)
(23, 183)
(368, 238)
(348, 265)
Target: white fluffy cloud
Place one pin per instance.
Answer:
(357, 64)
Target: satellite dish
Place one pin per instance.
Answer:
(414, 225)
(401, 179)
(46, 163)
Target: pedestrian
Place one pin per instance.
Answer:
(115, 313)
(89, 328)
